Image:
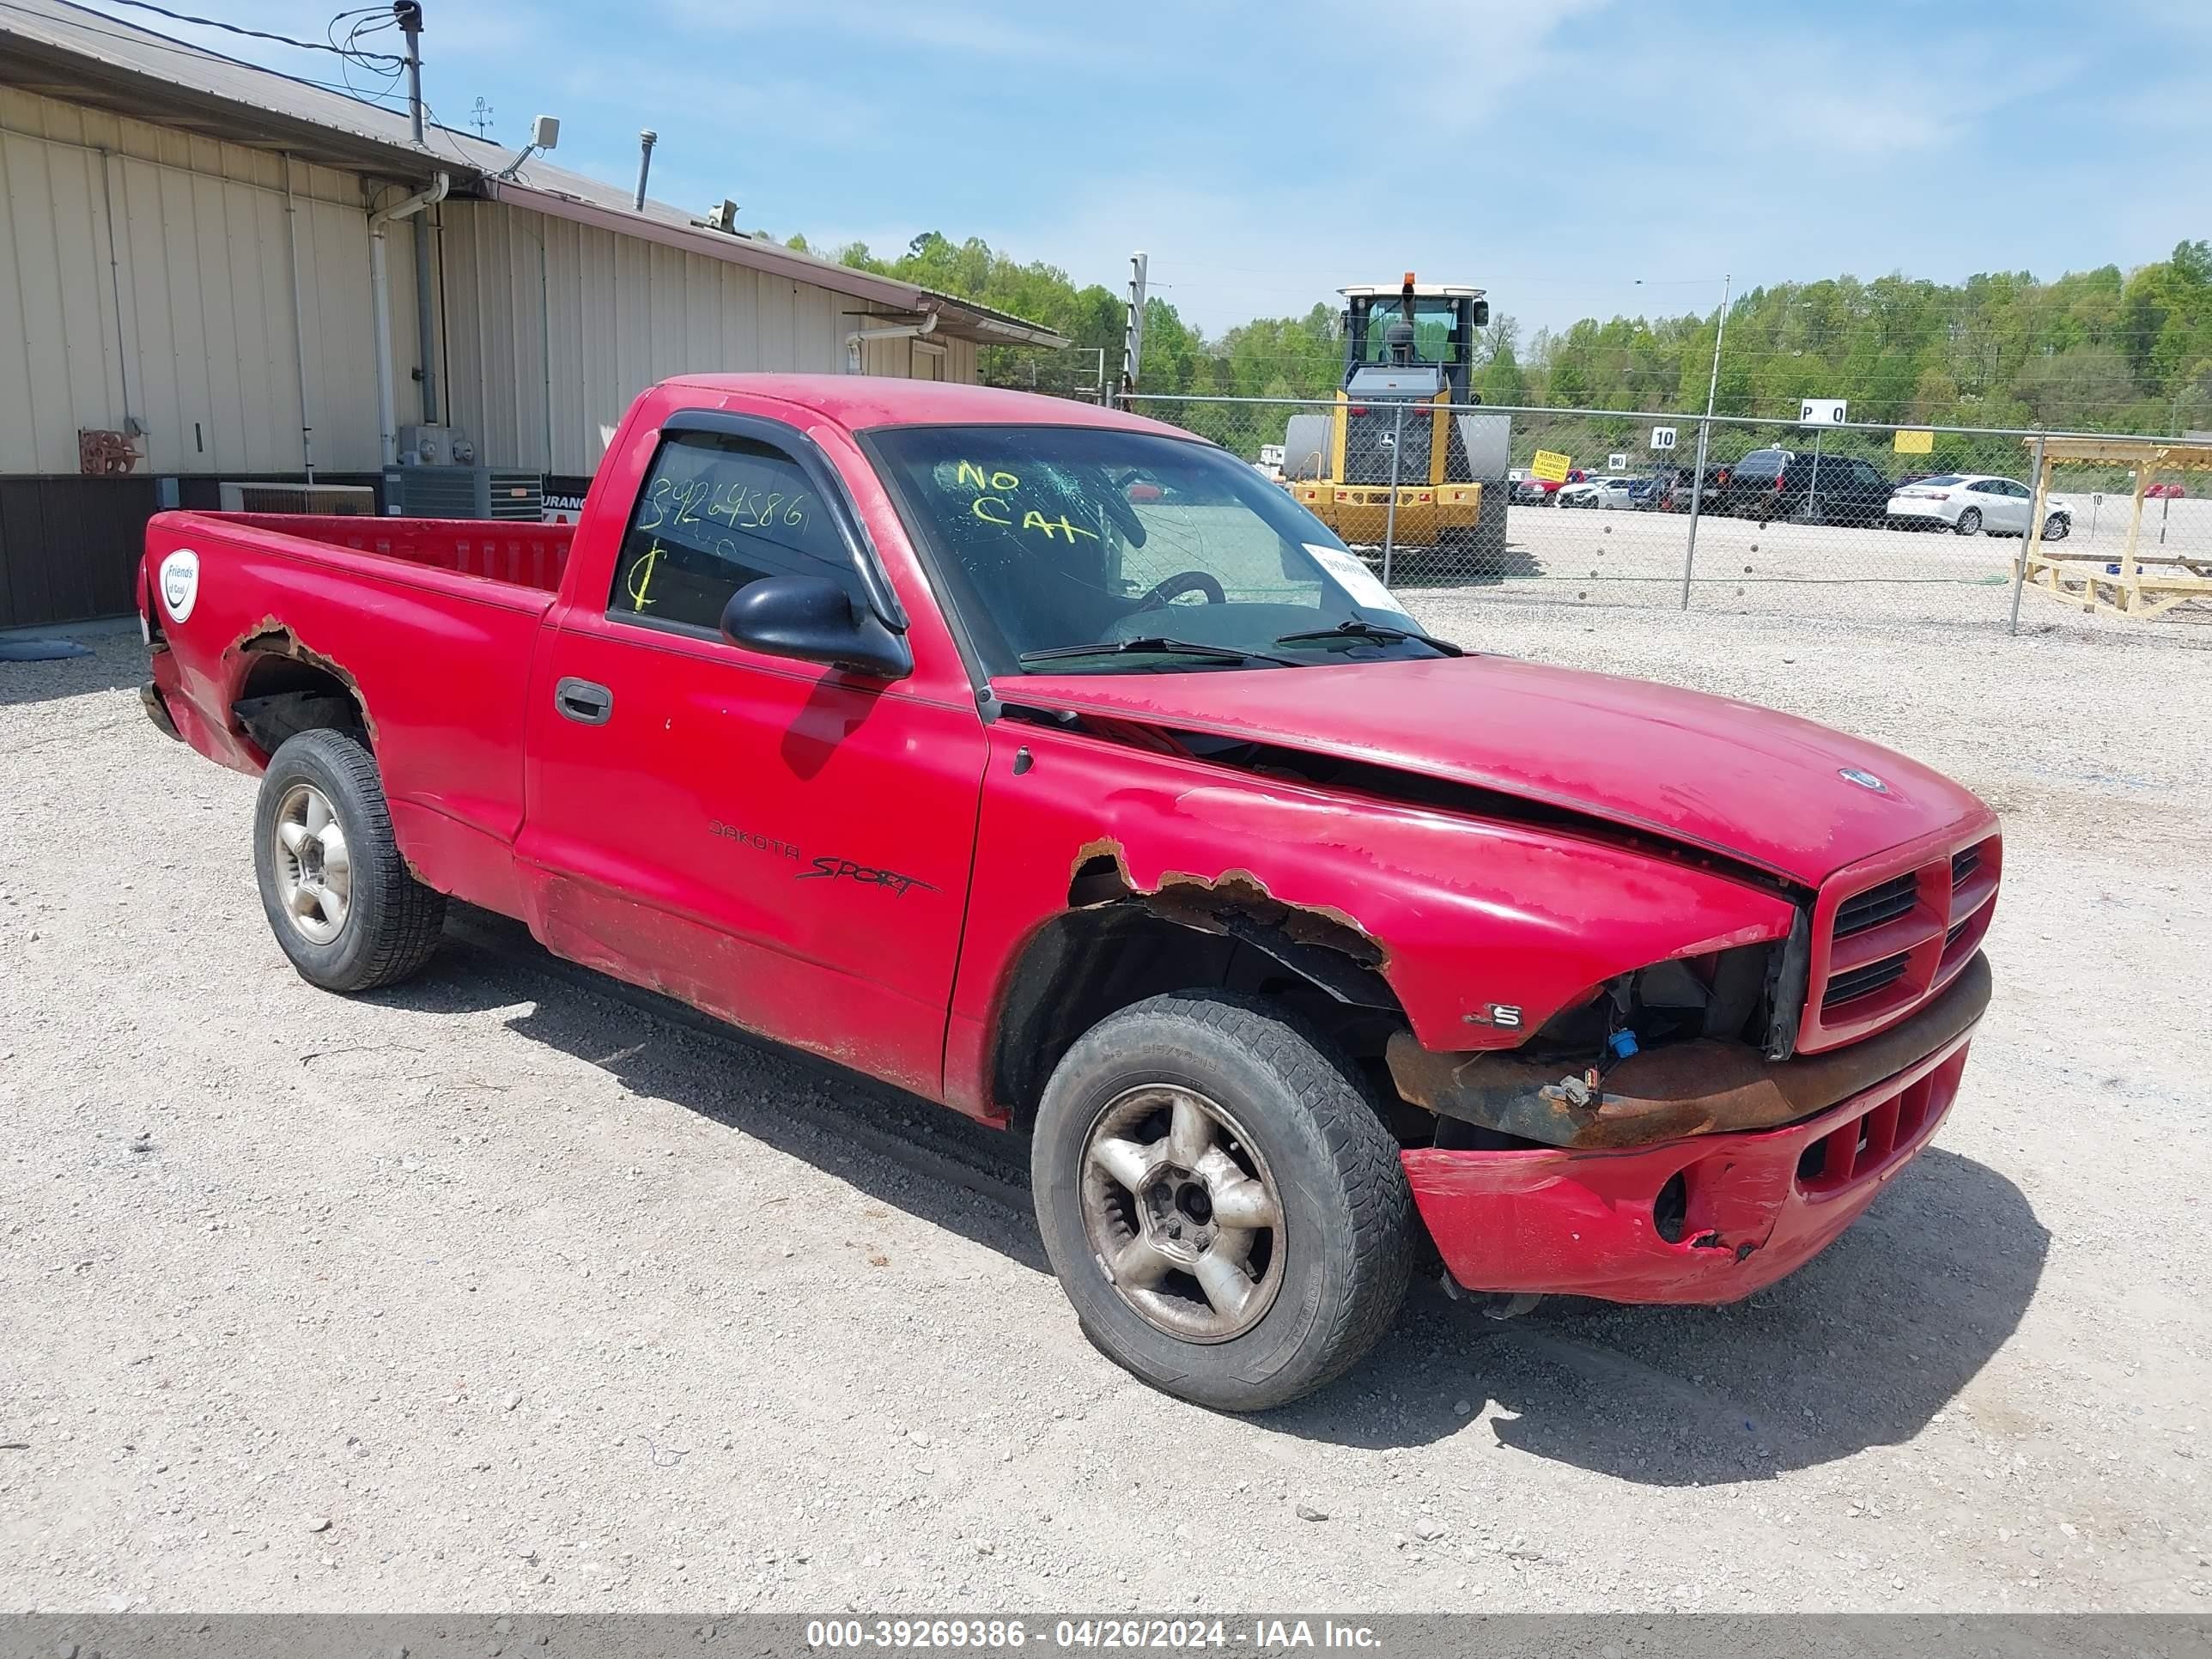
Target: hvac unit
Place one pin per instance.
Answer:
(346, 501)
(463, 492)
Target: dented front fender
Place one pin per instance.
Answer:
(1460, 916)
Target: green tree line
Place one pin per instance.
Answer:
(2097, 350)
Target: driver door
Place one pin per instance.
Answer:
(783, 844)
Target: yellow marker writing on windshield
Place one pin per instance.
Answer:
(976, 508)
(641, 575)
(1033, 520)
(972, 475)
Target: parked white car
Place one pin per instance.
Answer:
(1974, 503)
(1608, 491)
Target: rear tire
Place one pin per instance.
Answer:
(1293, 1148)
(343, 903)
(1970, 522)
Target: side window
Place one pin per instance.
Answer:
(717, 511)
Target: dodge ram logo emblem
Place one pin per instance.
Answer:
(1865, 780)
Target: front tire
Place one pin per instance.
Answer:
(343, 903)
(1220, 1200)
(2054, 527)
(1970, 522)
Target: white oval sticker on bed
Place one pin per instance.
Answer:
(179, 581)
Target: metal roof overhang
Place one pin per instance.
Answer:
(67, 52)
(961, 318)
(182, 99)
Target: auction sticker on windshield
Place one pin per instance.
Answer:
(1355, 578)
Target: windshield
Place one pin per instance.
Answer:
(1434, 323)
(1054, 538)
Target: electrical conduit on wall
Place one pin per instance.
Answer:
(379, 300)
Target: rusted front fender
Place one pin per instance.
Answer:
(1696, 1087)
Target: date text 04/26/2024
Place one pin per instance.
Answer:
(1257, 1635)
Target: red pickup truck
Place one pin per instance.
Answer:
(1049, 763)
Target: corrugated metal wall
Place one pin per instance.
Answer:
(195, 310)
(176, 309)
(620, 313)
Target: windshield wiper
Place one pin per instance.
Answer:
(1151, 643)
(1358, 627)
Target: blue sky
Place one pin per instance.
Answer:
(1264, 154)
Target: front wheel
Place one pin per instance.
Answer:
(1970, 522)
(343, 903)
(2056, 527)
(1220, 1200)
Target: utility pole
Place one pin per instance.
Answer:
(1133, 327)
(410, 15)
(1704, 437)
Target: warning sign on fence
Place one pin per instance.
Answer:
(1551, 466)
(1912, 442)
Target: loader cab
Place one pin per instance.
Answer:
(1412, 341)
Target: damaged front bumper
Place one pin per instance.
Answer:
(1674, 1194)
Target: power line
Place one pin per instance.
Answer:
(257, 34)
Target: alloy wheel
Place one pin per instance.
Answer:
(315, 872)
(1182, 1213)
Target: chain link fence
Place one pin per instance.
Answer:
(1591, 508)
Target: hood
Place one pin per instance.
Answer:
(1763, 787)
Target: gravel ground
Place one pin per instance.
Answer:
(506, 1290)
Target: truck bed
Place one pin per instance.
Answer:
(520, 555)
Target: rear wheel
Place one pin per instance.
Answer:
(343, 903)
(1970, 522)
(1220, 1200)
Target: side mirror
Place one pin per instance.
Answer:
(809, 618)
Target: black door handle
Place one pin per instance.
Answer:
(584, 702)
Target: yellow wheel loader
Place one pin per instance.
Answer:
(1403, 456)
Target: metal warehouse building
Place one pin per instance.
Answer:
(186, 292)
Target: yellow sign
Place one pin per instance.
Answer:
(1915, 442)
(1550, 467)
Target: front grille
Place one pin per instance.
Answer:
(1890, 900)
(1860, 1148)
(1864, 982)
(1893, 945)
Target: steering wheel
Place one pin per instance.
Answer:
(1184, 582)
